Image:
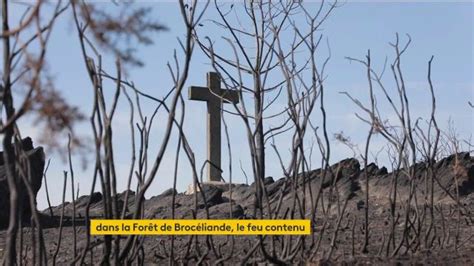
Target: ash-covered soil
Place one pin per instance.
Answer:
(450, 235)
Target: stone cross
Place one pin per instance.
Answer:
(214, 96)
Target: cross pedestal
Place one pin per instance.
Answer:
(214, 96)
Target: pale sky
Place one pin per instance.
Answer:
(441, 29)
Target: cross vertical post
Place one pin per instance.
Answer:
(215, 97)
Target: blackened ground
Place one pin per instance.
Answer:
(453, 223)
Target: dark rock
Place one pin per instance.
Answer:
(26, 145)
(345, 169)
(374, 170)
(467, 185)
(222, 211)
(268, 180)
(83, 200)
(126, 197)
(36, 159)
(127, 193)
(96, 208)
(371, 169)
(382, 171)
(240, 193)
(169, 192)
(275, 187)
(347, 173)
(212, 195)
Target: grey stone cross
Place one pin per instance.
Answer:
(214, 96)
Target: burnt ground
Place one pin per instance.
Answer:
(453, 242)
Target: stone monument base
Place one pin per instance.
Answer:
(219, 184)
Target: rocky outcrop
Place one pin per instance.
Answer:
(452, 174)
(36, 159)
(342, 181)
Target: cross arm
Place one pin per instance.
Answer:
(204, 94)
(230, 96)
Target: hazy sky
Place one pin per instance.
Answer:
(441, 29)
